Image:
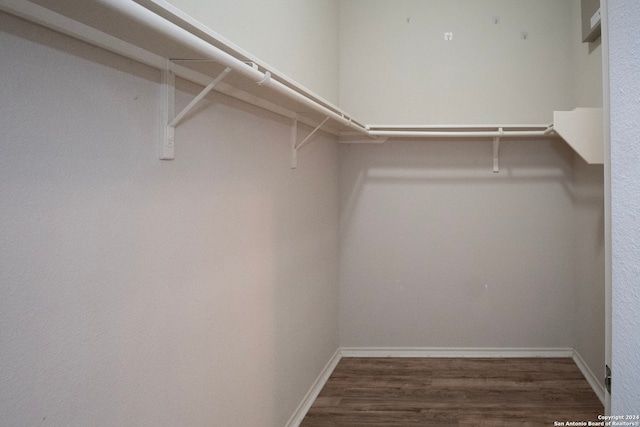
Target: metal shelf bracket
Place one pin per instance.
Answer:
(171, 120)
(294, 136)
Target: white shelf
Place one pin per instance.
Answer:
(155, 33)
(151, 32)
(582, 130)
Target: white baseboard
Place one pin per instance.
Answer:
(454, 352)
(313, 392)
(593, 380)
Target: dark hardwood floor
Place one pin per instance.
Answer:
(453, 392)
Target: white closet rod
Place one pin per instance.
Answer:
(458, 126)
(157, 23)
(453, 134)
(460, 131)
(150, 19)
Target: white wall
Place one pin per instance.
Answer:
(589, 297)
(297, 37)
(438, 251)
(396, 67)
(442, 200)
(588, 182)
(137, 292)
(624, 63)
(586, 64)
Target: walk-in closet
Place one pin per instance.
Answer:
(210, 207)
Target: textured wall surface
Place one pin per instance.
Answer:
(588, 184)
(297, 37)
(624, 65)
(589, 291)
(396, 67)
(586, 64)
(438, 251)
(139, 292)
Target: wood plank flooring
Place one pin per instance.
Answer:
(453, 392)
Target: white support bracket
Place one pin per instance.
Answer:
(171, 120)
(496, 150)
(294, 136)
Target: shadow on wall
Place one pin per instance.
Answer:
(439, 251)
(453, 164)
